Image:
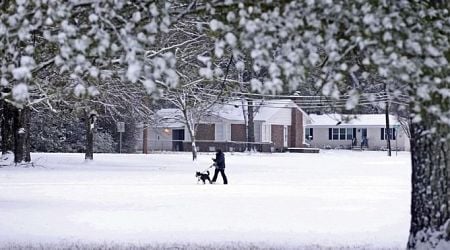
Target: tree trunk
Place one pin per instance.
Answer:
(191, 127)
(27, 125)
(6, 120)
(21, 127)
(430, 197)
(194, 150)
(90, 119)
(191, 130)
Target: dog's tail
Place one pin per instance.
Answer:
(207, 172)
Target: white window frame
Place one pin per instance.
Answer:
(285, 136)
(336, 134)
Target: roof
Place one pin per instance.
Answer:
(169, 118)
(368, 120)
(231, 111)
(266, 109)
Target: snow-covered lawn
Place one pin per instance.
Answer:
(335, 198)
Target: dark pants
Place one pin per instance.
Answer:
(222, 172)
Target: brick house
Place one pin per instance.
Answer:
(278, 124)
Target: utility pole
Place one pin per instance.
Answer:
(144, 140)
(387, 132)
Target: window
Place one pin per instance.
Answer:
(392, 134)
(340, 133)
(350, 133)
(309, 135)
(335, 134)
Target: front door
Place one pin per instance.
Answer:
(177, 139)
(364, 141)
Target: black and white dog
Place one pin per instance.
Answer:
(203, 177)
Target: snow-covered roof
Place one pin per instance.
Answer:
(368, 120)
(232, 111)
(169, 118)
(266, 109)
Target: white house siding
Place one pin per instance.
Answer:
(321, 138)
(160, 139)
(401, 141)
(266, 135)
(228, 131)
(220, 130)
(187, 136)
(373, 136)
(282, 117)
(258, 131)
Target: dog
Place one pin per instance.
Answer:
(203, 177)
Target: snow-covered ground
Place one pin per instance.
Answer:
(335, 198)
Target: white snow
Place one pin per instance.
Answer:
(134, 71)
(266, 109)
(335, 198)
(79, 90)
(353, 120)
(169, 118)
(20, 92)
(231, 39)
(206, 72)
(215, 25)
(21, 73)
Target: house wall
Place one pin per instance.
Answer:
(282, 117)
(296, 132)
(401, 142)
(266, 135)
(187, 136)
(321, 139)
(277, 137)
(220, 132)
(227, 146)
(205, 132)
(227, 136)
(238, 132)
(228, 131)
(290, 133)
(215, 130)
(159, 139)
(258, 131)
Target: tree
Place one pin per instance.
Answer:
(199, 88)
(63, 131)
(6, 126)
(405, 42)
(81, 40)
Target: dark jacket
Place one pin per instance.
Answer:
(220, 160)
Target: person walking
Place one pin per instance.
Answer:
(219, 162)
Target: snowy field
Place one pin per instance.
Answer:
(331, 200)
